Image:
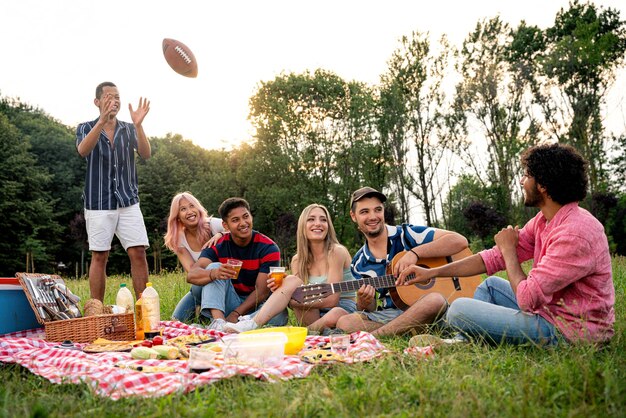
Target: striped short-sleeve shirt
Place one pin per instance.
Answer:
(401, 238)
(111, 178)
(258, 256)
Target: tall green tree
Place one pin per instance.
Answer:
(53, 146)
(315, 142)
(575, 62)
(412, 103)
(492, 109)
(26, 207)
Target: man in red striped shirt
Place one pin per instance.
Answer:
(226, 294)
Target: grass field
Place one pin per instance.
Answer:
(467, 380)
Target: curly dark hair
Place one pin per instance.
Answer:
(560, 169)
(230, 204)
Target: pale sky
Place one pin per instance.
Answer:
(54, 53)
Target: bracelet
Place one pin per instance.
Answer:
(418, 257)
(237, 312)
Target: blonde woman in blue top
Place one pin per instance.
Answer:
(319, 259)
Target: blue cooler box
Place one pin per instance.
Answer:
(16, 314)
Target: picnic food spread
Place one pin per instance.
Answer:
(116, 374)
(257, 348)
(110, 359)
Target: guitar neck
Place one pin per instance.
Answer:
(380, 282)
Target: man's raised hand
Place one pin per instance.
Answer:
(142, 110)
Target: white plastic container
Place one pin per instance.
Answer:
(150, 309)
(259, 350)
(125, 299)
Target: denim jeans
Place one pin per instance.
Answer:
(219, 294)
(185, 310)
(494, 314)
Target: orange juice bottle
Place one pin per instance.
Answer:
(151, 310)
(139, 334)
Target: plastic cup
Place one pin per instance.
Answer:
(235, 264)
(339, 344)
(278, 274)
(200, 360)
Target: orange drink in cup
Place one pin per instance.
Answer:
(236, 265)
(278, 274)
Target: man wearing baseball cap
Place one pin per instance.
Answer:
(383, 242)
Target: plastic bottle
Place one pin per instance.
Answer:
(139, 334)
(125, 298)
(151, 310)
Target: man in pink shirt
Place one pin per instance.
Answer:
(569, 290)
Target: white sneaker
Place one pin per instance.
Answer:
(423, 340)
(458, 338)
(217, 324)
(241, 326)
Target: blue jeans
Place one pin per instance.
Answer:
(185, 310)
(219, 294)
(494, 314)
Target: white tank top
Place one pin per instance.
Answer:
(215, 224)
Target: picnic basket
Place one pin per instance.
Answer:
(115, 327)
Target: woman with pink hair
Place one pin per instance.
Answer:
(189, 228)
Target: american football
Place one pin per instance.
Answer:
(180, 57)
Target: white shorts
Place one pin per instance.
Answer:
(126, 223)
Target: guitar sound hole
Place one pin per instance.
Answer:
(427, 285)
(430, 283)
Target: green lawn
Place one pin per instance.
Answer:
(467, 380)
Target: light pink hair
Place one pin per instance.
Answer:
(175, 226)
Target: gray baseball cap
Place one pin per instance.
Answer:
(366, 192)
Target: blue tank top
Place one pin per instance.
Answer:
(347, 275)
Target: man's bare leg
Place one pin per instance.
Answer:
(97, 274)
(138, 268)
(422, 313)
(329, 320)
(357, 322)
(306, 316)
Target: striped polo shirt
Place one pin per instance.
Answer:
(401, 238)
(111, 178)
(258, 256)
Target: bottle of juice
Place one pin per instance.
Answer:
(139, 333)
(125, 298)
(151, 310)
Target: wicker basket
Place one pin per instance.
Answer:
(115, 327)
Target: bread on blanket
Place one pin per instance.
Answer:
(93, 307)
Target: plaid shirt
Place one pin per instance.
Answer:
(111, 178)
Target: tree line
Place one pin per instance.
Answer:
(443, 130)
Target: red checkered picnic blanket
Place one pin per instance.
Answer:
(99, 371)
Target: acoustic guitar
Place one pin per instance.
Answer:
(402, 296)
